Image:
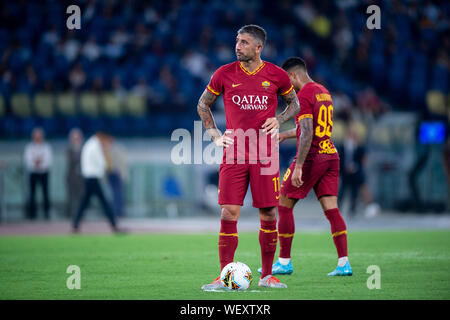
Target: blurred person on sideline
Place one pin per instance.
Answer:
(353, 160)
(117, 170)
(446, 163)
(93, 169)
(74, 179)
(38, 160)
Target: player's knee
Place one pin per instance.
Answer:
(328, 202)
(230, 213)
(287, 202)
(268, 214)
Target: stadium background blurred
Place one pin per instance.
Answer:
(139, 68)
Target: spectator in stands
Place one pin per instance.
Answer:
(30, 82)
(343, 106)
(169, 82)
(118, 89)
(196, 64)
(113, 50)
(93, 169)
(91, 50)
(70, 46)
(224, 53)
(97, 85)
(77, 77)
(370, 104)
(153, 97)
(120, 36)
(74, 179)
(142, 35)
(38, 161)
(51, 37)
(342, 39)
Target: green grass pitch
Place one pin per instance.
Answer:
(414, 265)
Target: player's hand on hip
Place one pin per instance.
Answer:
(271, 126)
(224, 140)
(297, 177)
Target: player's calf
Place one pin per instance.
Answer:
(339, 234)
(268, 236)
(286, 230)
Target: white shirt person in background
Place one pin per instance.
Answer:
(38, 161)
(93, 169)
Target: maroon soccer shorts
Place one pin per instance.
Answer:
(323, 176)
(235, 178)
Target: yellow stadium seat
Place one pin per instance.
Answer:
(338, 133)
(89, 104)
(66, 103)
(136, 105)
(448, 108)
(436, 102)
(21, 105)
(322, 26)
(43, 105)
(111, 104)
(360, 129)
(381, 136)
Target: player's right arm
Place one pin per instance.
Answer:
(287, 134)
(204, 111)
(306, 136)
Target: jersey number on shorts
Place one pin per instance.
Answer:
(286, 175)
(324, 121)
(276, 183)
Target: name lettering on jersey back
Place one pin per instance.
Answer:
(251, 102)
(323, 97)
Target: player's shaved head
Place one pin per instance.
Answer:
(257, 32)
(293, 64)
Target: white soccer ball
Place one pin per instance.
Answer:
(236, 276)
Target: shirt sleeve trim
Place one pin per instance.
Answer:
(304, 116)
(286, 92)
(212, 91)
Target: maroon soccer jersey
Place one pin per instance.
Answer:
(315, 102)
(249, 98)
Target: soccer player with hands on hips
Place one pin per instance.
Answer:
(316, 166)
(250, 88)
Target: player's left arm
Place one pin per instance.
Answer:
(293, 107)
(306, 136)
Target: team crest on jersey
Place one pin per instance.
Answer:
(265, 84)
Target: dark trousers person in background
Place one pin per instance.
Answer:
(352, 181)
(353, 157)
(36, 179)
(92, 187)
(74, 178)
(37, 163)
(116, 184)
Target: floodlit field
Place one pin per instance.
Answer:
(414, 265)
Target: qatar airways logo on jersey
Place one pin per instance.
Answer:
(250, 102)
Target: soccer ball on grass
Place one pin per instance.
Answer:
(236, 276)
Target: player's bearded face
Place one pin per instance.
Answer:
(247, 48)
